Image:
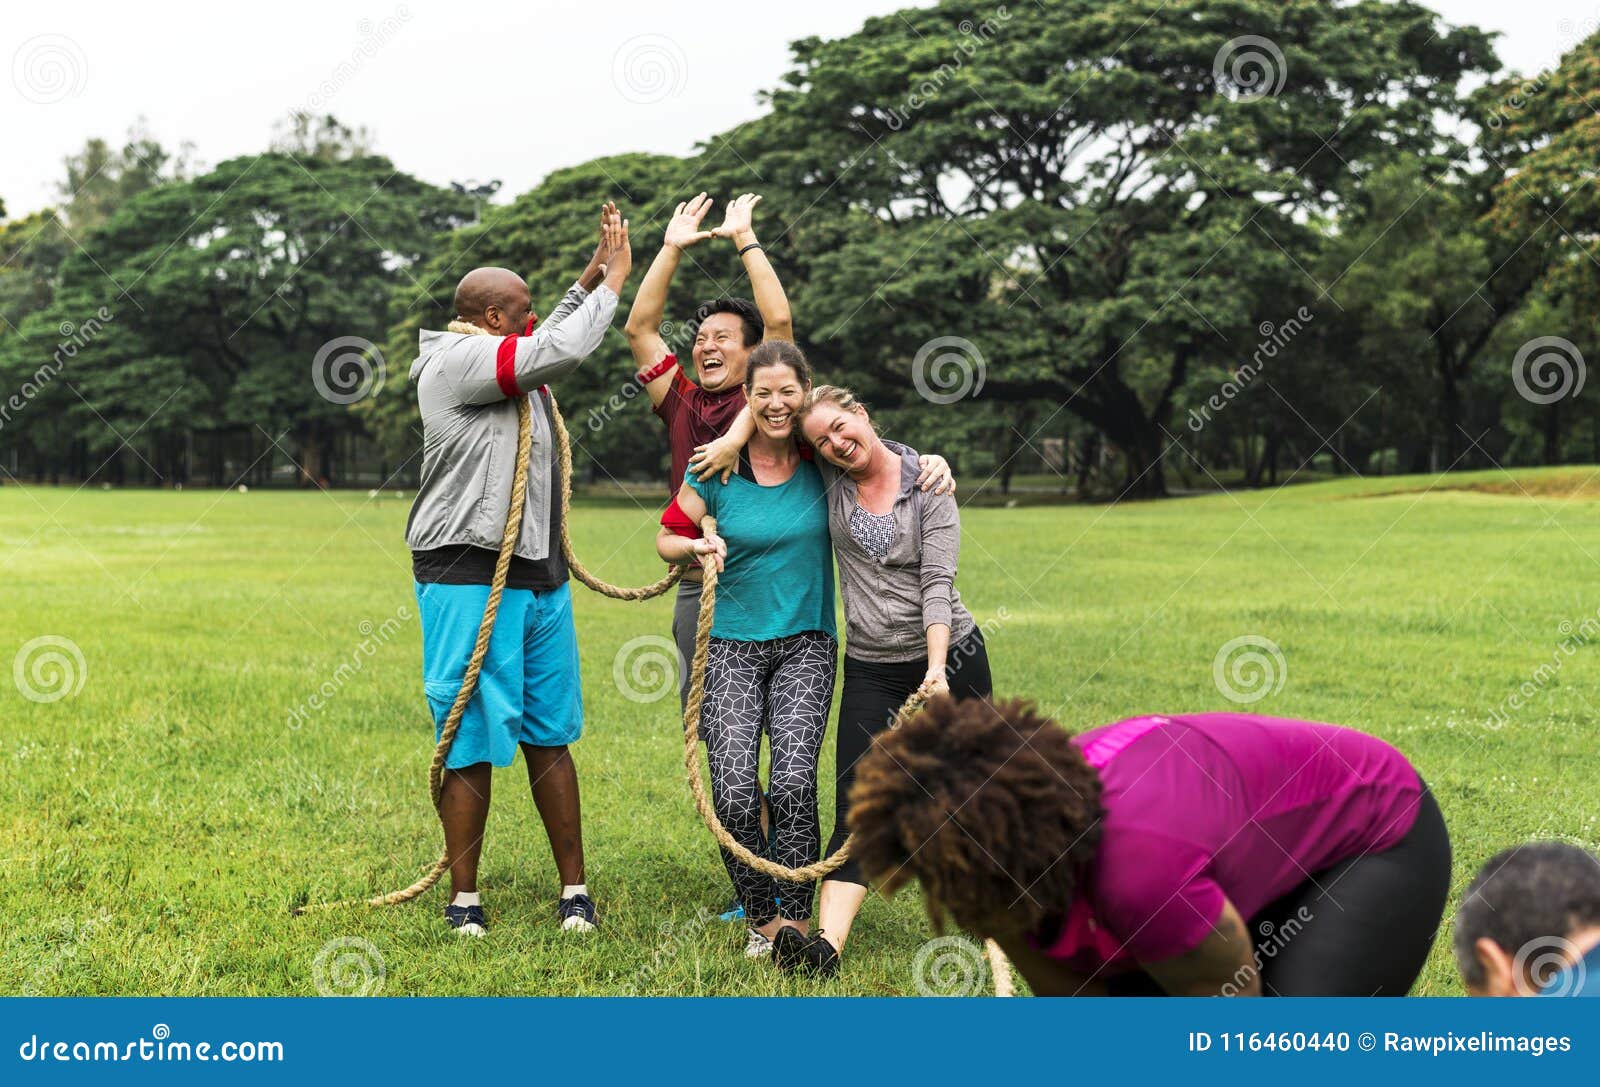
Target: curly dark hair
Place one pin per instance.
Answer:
(990, 806)
(742, 308)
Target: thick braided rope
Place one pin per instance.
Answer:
(999, 965)
(469, 681)
(578, 570)
(691, 744)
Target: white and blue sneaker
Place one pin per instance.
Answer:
(466, 920)
(577, 914)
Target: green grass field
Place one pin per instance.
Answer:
(160, 822)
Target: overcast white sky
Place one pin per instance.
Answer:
(548, 84)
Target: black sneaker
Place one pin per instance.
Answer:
(787, 943)
(466, 920)
(801, 954)
(576, 914)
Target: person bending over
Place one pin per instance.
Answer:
(1199, 855)
(528, 693)
(1529, 923)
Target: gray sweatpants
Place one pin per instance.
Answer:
(685, 617)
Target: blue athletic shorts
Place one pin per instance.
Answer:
(528, 690)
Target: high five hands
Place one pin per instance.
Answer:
(613, 255)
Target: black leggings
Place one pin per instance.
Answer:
(872, 693)
(782, 687)
(1363, 927)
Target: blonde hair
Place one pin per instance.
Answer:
(837, 395)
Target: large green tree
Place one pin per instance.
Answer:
(238, 303)
(1098, 195)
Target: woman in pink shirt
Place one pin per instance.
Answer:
(1201, 855)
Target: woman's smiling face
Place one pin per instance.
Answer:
(843, 438)
(775, 394)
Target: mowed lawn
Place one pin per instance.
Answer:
(158, 823)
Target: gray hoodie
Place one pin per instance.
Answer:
(469, 425)
(890, 603)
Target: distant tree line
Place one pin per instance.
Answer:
(1126, 245)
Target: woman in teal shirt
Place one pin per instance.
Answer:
(773, 651)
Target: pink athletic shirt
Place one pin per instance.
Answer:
(1216, 805)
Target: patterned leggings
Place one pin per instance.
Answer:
(784, 686)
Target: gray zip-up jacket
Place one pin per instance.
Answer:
(890, 603)
(469, 426)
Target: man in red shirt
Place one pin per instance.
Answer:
(725, 331)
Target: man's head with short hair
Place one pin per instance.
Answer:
(1525, 916)
(496, 299)
(725, 331)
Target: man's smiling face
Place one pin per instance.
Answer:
(720, 354)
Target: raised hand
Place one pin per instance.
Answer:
(614, 253)
(737, 221)
(683, 229)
